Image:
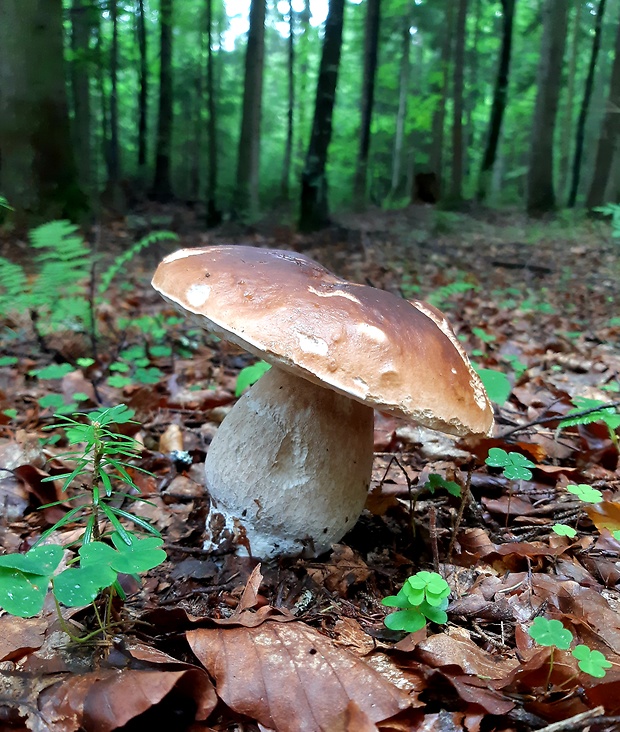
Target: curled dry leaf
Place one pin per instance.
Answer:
(290, 678)
(104, 700)
(20, 635)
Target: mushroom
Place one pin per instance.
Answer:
(289, 468)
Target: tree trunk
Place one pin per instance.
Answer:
(288, 148)
(213, 214)
(583, 113)
(399, 137)
(248, 160)
(114, 168)
(540, 191)
(500, 99)
(314, 210)
(81, 27)
(371, 50)
(439, 115)
(143, 94)
(472, 87)
(610, 134)
(567, 127)
(456, 189)
(303, 45)
(38, 174)
(162, 187)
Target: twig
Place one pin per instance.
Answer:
(459, 516)
(432, 528)
(558, 418)
(573, 722)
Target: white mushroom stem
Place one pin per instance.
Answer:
(289, 468)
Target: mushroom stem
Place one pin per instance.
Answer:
(289, 468)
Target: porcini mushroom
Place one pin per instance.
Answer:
(289, 468)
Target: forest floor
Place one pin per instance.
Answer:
(538, 301)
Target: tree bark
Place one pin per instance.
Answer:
(439, 115)
(403, 93)
(213, 214)
(585, 105)
(610, 135)
(81, 27)
(288, 148)
(302, 95)
(371, 52)
(162, 186)
(314, 210)
(114, 164)
(37, 169)
(540, 191)
(143, 94)
(456, 189)
(248, 161)
(500, 99)
(567, 127)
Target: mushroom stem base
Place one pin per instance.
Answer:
(288, 470)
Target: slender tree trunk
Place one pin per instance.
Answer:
(456, 190)
(608, 143)
(103, 99)
(194, 142)
(213, 214)
(302, 90)
(314, 210)
(583, 113)
(114, 172)
(399, 137)
(473, 92)
(162, 186)
(288, 148)
(37, 173)
(500, 99)
(143, 94)
(81, 26)
(439, 115)
(248, 160)
(540, 191)
(567, 127)
(371, 52)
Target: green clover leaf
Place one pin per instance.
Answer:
(22, 594)
(591, 662)
(515, 465)
(409, 620)
(78, 586)
(435, 481)
(551, 633)
(585, 493)
(564, 530)
(41, 560)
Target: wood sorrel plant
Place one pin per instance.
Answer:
(106, 547)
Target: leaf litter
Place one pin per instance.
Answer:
(211, 642)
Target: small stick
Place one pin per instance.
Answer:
(573, 722)
(432, 527)
(459, 517)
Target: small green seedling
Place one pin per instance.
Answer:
(106, 548)
(436, 482)
(496, 383)
(585, 493)
(553, 634)
(564, 530)
(250, 375)
(515, 466)
(423, 596)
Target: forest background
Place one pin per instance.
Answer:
(105, 103)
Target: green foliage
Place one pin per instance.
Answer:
(441, 295)
(423, 596)
(515, 466)
(106, 548)
(5, 204)
(496, 383)
(551, 633)
(564, 530)
(63, 263)
(598, 411)
(250, 375)
(591, 662)
(436, 481)
(585, 493)
(613, 210)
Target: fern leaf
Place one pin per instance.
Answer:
(13, 286)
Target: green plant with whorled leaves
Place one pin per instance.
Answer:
(106, 547)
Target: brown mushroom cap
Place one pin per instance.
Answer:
(395, 355)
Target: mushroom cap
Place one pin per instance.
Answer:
(396, 355)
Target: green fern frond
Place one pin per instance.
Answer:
(127, 256)
(13, 286)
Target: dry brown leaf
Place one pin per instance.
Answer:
(344, 569)
(605, 515)
(20, 635)
(291, 678)
(104, 700)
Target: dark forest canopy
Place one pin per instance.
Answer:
(125, 99)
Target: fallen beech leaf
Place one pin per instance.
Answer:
(604, 515)
(353, 719)
(291, 678)
(104, 700)
(344, 569)
(20, 635)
